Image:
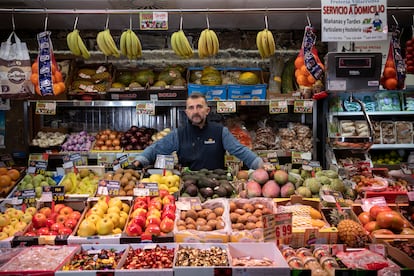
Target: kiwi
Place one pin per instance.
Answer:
(191, 214)
(218, 211)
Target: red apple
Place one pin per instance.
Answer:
(46, 211)
(162, 193)
(140, 220)
(39, 220)
(42, 231)
(168, 199)
(156, 202)
(140, 203)
(56, 226)
(58, 207)
(65, 231)
(152, 220)
(71, 223)
(133, 229)
(154, 212)
(75, 215)
(30, 234)
(139, 212)
(53, 233)
(53, 216)
(169, 214)
(153, 229)
(167, 225)
(49, 222)
(169, 207)
(66, 210)
(61, 218)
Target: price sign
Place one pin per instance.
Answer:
(331, 196)
(7, 159)
(45, 108)
(145, 108)
(28, 197)
(283, 226)
(108, 187)
(303, 106)
(226, 107)
(73, 160)
(278, 106)
(300, 157)
(146, 189)
(311, 165)
(120, 162)
(58, 193)
(106, 159)
(164, 162)
(37, 163)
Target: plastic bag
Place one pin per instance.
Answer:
(15, 69)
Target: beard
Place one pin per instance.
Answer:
(196, 119)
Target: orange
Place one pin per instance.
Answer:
(389, 72)
(298, 73)
(34, 78)
(390, 63)
(58, 76)
(5, 180)
(37, 89)
(14, 174)
(299, 61)
(58, 88)
(302, 80)
(304, 70)
(3, 171)
(311, 79)
(35, 67)
(390, 84)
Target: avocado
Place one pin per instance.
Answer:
(191, 189)
(204, 171)
(220, 171)
(205, 182)
(185, 195)
(206, 192)
(221, 191)
(223, 177)
(189, 182)
(229, 188)
(189, 177)
(214, 176)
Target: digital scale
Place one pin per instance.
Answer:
(353, 71)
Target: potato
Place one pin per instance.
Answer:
(218, 211)
(259, 224)
(258, 213)
(190, 220)
(250, 225)
(242, 219)
(183, 215)
(191, 226)
(237, 226)
(204, 212)
(233, 206)
(220, 224)
(191, 214)
(252, 218)
(200, 222)
(212, 223)
(234, 217)
(181, 227)
(181, 222)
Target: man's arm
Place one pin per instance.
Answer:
(167, 145)
(233, 146)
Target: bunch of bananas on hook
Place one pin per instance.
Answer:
(208, 44)
(180, 44)
(265, 43)
(76, 44)
(106, 44)
(130, 45)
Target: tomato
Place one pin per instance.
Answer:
(364, 218)
(371, 226)
(390, 220)
(373, 212)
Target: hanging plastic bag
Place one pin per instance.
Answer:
(46, 77)
(15, 69)
(393, 75)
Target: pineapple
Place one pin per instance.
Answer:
(350, 232)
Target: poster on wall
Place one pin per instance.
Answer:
(353, 20)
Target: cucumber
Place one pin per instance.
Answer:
(288, 77)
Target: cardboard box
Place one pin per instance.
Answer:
(94, 248)
(200, 270)
(266, 250)
(247, 92)
(152, 272)
(140, 94)
(212, 92)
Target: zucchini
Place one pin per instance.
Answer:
(288, 77)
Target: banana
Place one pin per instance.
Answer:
(210, 43)
(136, 45)
(174, 44)
(202, 44)
(184, 45)
(259, 44)
(100, 40)
(111, 43)
(216, 43)
(265, 43)
(84, 51)
(130, 54)
(123, 43)
(72, 41)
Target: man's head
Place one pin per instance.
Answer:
(197, 109)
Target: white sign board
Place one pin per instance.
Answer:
(353, 20)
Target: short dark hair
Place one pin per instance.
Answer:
(197, 95)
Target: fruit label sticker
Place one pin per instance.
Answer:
(120, 162)
(283, 227)
(226, 107)
(278, 106)
(303, 106)
(153, 20)
(108, 187)
(145, 108)
(45, 108)
(164, 162)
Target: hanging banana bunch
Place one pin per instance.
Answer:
(180, 44)
(208, 43)
(106, 43)
(265, 42)
(76, 44)
(129, 44)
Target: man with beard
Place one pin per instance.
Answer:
(199, 144)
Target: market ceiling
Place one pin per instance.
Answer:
(229, 14)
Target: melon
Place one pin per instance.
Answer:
(260, 176)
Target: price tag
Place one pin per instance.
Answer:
(226, 107)
(46, 194)
(153, 20)
(283, 226)
(164, 162)
(193, 203)
(278, 106)
(120, 162)
(45, 108)
(311, 165)
(72, 160)
(108, 187)
(300, 157)
(367, 203)
(37, 163)
(28, 197)
(303, 106)
(105, 159)
(145, 108)
(152, 188)
(58, 193)
(331, 196)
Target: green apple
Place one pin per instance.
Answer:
(27, 217)
(94, 218)
(113, 209)
(3, 235)
(104, 226)
(123, 214)
(4, 220)
(20, 226)
(101, 205)
(115, 201)
(86, 228)
(30, 210)
(114, 217)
